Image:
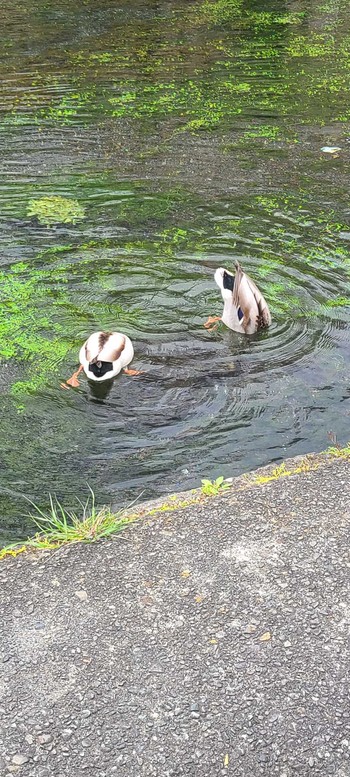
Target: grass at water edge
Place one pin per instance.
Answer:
(58, 527)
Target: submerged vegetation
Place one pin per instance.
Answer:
(56, 210)
(40, 319)
(206, 80)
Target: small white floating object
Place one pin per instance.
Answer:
(330, 149)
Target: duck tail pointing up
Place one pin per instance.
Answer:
(103, 339)
(92, 355)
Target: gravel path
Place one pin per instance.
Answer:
(213, 640)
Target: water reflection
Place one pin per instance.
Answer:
(100, 391)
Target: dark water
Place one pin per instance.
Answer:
(191, 135)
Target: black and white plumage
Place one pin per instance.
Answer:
(105, 354)
(245, 309)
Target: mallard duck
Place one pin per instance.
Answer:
(245, 309)
(103, 356)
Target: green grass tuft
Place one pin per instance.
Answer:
(57, 526)
(338, 452)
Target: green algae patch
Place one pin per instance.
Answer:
(40, 316)
(26, 315)
(220, 11)
(56, 210)
(338, 302)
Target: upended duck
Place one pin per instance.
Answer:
(103, 356)
(245, 309)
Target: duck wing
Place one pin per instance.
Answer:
(238, 295)
(248, 298)
(264, 315)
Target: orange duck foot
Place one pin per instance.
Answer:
(73, 381)
(211, 320)
(132, 372)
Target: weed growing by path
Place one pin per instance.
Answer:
(212, 487)
(57, 526)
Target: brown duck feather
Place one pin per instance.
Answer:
(106, 350)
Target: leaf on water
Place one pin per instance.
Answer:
(226, 760)
(330, 149)
(265, 637)
(185, 573)
(213, 641)
(198, 599)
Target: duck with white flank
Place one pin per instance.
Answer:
(103, 356)
(245, 309)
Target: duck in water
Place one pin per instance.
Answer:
(245, 309)
(103, 356)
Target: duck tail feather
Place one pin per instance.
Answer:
(92, 355)
(263, 319)
(238, 278)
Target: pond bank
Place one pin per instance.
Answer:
(211, 639)
(91, 524)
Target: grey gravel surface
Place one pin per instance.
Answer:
(213, 640)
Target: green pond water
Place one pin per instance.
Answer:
(189, 135)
